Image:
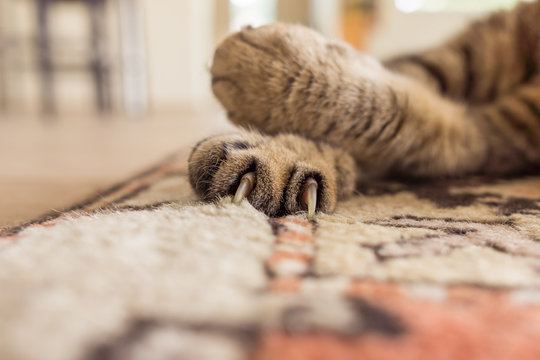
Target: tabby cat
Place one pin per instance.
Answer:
(320, 116)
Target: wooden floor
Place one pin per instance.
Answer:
(49, 165)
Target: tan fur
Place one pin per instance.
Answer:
(282, 164)
(469, 106)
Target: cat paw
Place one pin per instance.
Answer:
(251, 72)
(288, 78)
(278, 175)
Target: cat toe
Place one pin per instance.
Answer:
(277, 175)
(242, 166)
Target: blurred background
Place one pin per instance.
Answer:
(92, 91)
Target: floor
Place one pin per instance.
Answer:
(47, 165)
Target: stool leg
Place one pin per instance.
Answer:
(98, 63)
(45, 61)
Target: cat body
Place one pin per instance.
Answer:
(316, 108)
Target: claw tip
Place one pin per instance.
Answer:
(309, 197)
(246, 185)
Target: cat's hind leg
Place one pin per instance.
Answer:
(287, 78)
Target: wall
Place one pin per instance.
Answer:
(397, 33)
(180, 40)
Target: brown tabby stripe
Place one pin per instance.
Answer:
(370, 117)
(496, 76)
(250, 43)
(511, 133)
(432, 69)
(533, 105)
(470, 77)
(498, 127)
(394, 116)
(524, 125)
(402, 115)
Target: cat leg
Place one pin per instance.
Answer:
(487, 60)
(283, 78)
(278, 175)
(493, 67)
(283, 164)
(288, 78)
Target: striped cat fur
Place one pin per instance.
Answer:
(313, 107)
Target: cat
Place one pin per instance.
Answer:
(316, 111)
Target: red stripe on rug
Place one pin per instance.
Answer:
(293, 253)
(467, 324)
(122, 191)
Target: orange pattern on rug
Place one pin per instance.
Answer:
(447, 270)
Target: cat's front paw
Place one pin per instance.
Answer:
(278, 175)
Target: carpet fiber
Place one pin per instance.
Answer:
(445, 270)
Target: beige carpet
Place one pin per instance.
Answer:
(445, 270)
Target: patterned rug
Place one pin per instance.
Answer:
(442, 270)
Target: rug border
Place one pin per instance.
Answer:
(50, 215)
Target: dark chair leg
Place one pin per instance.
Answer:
(45, 61)
(98, 64)
(3, 87)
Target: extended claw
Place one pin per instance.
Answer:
(309, 196)
(246, 185)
